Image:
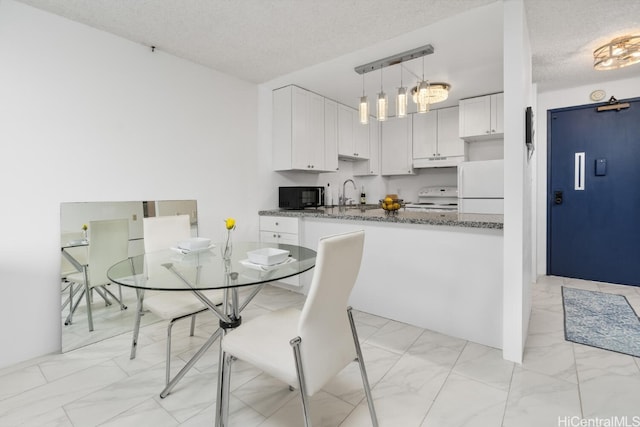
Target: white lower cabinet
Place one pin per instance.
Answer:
(278, 229)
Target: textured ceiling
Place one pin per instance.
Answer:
(259, 40)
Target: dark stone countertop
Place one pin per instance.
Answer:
(375, 213)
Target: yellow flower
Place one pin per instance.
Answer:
(84, 227)
(230, 223)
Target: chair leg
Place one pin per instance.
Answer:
(363, 371)
(72, 310)
(193, 325)
(100, 290)
(136, 324)
(122, 306)
(168, 362)
(295, 343)
(223, 390)
(119, 300)
(87, 295)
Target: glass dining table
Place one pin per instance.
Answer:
(174, 270)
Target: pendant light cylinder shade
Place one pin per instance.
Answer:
(382, 107)
(364, 110)
(401, 102)
(422, 97)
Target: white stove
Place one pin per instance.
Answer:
(435, 199)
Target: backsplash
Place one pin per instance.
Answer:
(376, 187)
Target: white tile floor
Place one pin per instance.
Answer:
(420, 378)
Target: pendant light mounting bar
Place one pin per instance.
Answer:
(395, 59)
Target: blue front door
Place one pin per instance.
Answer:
(594, 194)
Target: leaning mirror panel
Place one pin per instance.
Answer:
(100, 313)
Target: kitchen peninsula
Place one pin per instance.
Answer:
(440, 271)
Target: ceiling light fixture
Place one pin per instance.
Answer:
(364, 106)
(618, 53)
(421, 97)
(382, 102)
(424, 93)
(438, 92)
(401, 99)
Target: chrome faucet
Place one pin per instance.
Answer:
(344, 189)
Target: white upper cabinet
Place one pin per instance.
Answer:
(298, 130)
(371, 166)
(396, 147)
(482, 117)
(353, 137)
(425, 135)
(435, 139)
(330, 135)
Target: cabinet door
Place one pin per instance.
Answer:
(449, 143)
(315, 132)
(330, 135)
(371, 166)
(281, 132)
(346, 136)
(279, 224)
(425, 135)
(475, 116)
(299, 129)
(497, 113)
(374, 147)
(396, 151)
(361, 140)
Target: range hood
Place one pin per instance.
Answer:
(437, 162)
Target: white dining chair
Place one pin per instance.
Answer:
(108, 244)
(160, 233)
(305, 349)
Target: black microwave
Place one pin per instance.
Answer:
(300, 197)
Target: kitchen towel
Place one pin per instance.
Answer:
(601, 320)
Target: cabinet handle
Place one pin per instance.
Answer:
(279, 236)
(277, 223)
(493, 131)
(274, 236)
(488, 132)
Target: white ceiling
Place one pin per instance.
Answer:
(317, 43)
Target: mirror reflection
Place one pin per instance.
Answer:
(102, 310)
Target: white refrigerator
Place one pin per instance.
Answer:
(481, 187)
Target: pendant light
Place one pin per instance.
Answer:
(422, 93)
(401, 99)
(364, 106)
(382, 102)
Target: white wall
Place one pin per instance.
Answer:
(87, 116)
(621, 89)
(518, 182)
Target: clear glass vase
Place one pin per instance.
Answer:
(227, 249)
